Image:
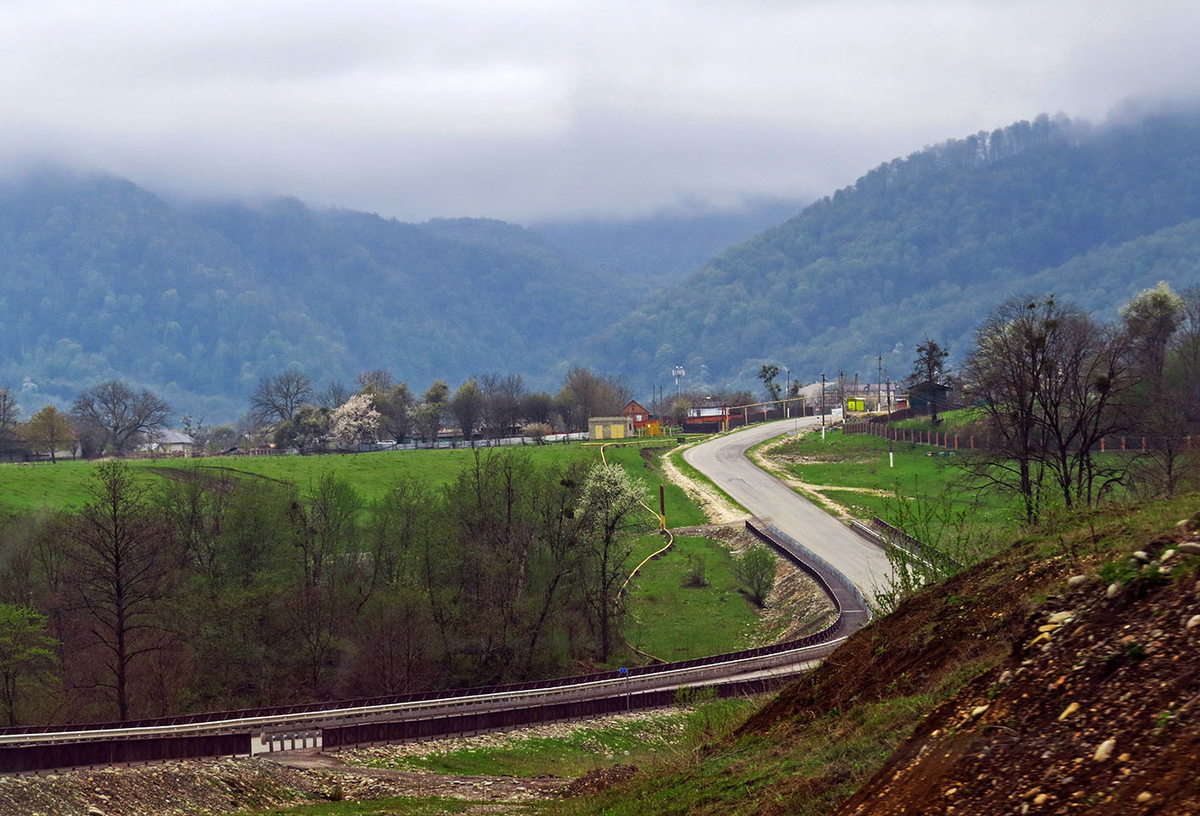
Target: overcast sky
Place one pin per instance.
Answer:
(534, 109)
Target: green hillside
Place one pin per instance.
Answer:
(929, 244)
(101, 279)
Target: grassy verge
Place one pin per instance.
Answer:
(757, 774)
(643, 740)
(948, 421)
(856, 468)
(674, 621)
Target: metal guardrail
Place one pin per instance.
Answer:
(853, 610)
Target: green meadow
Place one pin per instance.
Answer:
(855, 471)
(64, 486)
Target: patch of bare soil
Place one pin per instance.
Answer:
(241, 785)
(361, 783)
(716, 507)
(598, 780)
(1094, 712)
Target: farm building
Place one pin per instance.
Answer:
(620, 427)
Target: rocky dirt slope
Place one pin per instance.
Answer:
(1095, 711)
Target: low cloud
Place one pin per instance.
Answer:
(542, 109)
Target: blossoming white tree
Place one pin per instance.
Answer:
(355, 422)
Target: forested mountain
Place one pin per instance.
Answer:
(929, 245)
(99, 278)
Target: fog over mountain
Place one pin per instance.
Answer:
(100, 278)
(530, 111)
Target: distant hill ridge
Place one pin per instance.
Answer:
(929, 245)
(100, 278)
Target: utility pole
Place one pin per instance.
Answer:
(787, 392)
(878, 384)
(822, 405)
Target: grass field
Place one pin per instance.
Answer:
(860, 462)
(948, 421)
(677, 622)
(65, 485)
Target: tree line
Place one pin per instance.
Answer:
(214, 590)
(286, 410)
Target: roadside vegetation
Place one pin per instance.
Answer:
(573, 749)
(818, 741)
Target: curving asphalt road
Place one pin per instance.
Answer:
(724, 460)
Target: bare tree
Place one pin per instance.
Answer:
(1049, 380)
(120, 413)
(278, 398)
(10, 412)
(334, 395)
(929, 369)
(586, 394)
(1077, 403)
(375, 381)
(537, 407)
(1002, 372)
(1184, 368)
(503, 396)
(467, 408)
(122, 566)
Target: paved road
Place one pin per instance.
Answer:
(724, 461)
